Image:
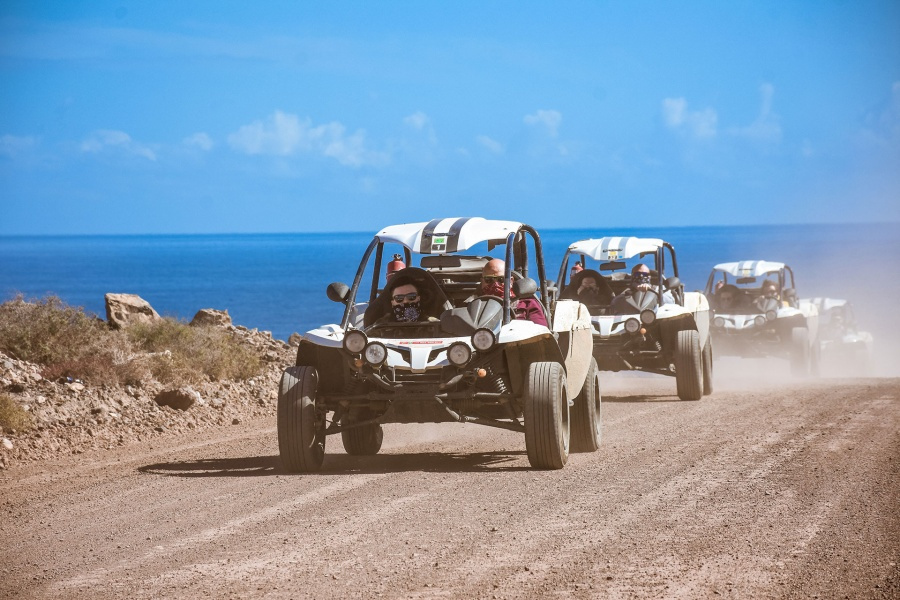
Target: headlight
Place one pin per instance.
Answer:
(632, 325)
(375, 353)
(719, 322)
(759, 321)
(770, 315)
(355, 341)
(459, 353)
(647, 316)
(483, 339)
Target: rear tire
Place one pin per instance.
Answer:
(546, 416)
(707, 360)
(586, 421)
(688, 365)
(364, 440)
(301, 429)
(800, 351)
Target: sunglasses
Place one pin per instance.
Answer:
(492, 278)
(410, 297)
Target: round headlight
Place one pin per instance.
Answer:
(759, 321)
(719, 322)
(483, 339)
(459, 353)
(770, 315)
(647, 316)
(355, 341)
(375, 353)
(632, 325)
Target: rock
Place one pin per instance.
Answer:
(75, 386)
(211, 317)
(123, 310)
(182, 398)
(6, 444)
(294, 340)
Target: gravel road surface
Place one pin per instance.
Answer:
(778, 490)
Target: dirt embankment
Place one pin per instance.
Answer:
(66, 416)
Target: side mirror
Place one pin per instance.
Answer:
(672, 283)
(525, 287)
(337, 291)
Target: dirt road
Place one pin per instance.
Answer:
(787, 491)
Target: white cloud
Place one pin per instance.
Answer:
(417, 120)
(284, 134)
(104, 139)
(698, 123)
(199, 140)
(549, 119)
(14, 146)
(767, 126)
(490, 144)
(420, 122)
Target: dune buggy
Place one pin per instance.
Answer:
(843, 346)
(471, 361)
(757, 313)
(662, 329)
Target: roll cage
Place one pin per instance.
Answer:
(599, 251)
(516, 255)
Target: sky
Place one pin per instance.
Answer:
(136, 117)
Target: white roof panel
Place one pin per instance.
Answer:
(749, 268)
(615, 248)
(445, 236)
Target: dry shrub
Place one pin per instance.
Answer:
(180, 353)
(13, 416)
(64, 340)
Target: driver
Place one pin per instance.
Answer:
(493, 284)
(640, 282)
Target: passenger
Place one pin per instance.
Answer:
(727, 298)
(493, 284)
(589, 291)
(576, 268)
(406, 303)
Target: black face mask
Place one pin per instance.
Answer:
(406, 313)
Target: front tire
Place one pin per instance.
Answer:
(301, 428)
(364, 440)
(546, 416)
(585, 425)
(688, 365)
(707, 360)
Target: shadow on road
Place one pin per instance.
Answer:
(342, 464)
(642, 398)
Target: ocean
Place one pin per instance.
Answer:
(276, 282)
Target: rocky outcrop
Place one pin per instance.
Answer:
(123, 310)
(182, 398)
(211, 317)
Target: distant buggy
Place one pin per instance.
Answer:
(662, 330)
(471, 362)
(757, 313)
(843, 346)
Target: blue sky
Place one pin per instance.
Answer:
(207, 117)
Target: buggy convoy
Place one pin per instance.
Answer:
(661, 330)
(472, 361)
(750, 322)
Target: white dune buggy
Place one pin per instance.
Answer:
(661, 330)
(471, 361)
(750, 323)
(844, 348)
